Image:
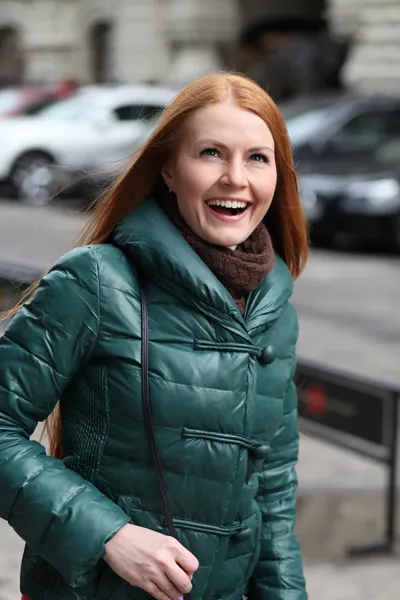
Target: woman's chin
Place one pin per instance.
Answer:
(230, 239)
(230, 242)
(225, 235)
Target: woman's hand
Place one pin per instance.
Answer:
(157, 563)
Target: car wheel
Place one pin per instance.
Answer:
(34, 178)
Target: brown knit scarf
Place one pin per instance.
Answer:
(241, 271)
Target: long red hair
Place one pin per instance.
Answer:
(285, 220)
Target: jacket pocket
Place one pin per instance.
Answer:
(223, 438)
(224, 531)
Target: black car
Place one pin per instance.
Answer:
(347, 153)
(355, 203)
(331, 129)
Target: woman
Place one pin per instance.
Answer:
(209, 215)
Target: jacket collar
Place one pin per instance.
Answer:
(154, 245)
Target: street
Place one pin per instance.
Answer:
(349, 314)
(349, 319)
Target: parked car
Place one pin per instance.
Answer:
(346, 150)
(339, 128)
(355, 203)
(96, 128)
(30, 99)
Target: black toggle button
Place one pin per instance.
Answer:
(243, 535)
(268, 355)
(260, 452)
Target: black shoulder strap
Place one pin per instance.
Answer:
(147, 408)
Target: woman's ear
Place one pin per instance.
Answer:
(166, 173)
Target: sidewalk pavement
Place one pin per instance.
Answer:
(340, 503)
(36, 238)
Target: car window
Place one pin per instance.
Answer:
(393, 124)
(36, 107)
(304, 126)
(388, 155)
(133, 112)
(361, 133)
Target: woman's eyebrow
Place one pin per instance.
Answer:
(261, 148)
(224, 147)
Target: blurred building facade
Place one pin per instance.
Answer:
(114, 40)
(287, 45)
(373, 28)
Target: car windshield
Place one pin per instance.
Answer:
(388, 154)
(305, 125)
(71, 109)
(8, 100)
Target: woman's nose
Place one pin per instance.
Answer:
(234, 175)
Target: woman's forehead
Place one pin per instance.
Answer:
(226, 122)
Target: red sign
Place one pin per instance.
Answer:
(316, 400)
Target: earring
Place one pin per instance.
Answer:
(170, 191)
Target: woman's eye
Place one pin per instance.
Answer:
(209, 152)
(259, 158)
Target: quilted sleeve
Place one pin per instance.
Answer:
(60, 515)
(279, 572)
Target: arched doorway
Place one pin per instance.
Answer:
(288, 47)
(100, 51)
(11, 57)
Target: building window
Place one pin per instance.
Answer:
(100, 51)
(11, 57)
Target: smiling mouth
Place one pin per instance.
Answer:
(228, 207)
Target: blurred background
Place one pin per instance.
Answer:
(82, 83)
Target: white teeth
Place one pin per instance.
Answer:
(227, 203)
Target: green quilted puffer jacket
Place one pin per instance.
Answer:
(223, 404)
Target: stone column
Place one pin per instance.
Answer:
(345, 16)
(51, 38)
(141, 47)
(373, 65)
(199, 32)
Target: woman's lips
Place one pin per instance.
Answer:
(227, 217)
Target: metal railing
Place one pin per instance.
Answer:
(358, 414)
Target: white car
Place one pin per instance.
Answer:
(93, 130)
